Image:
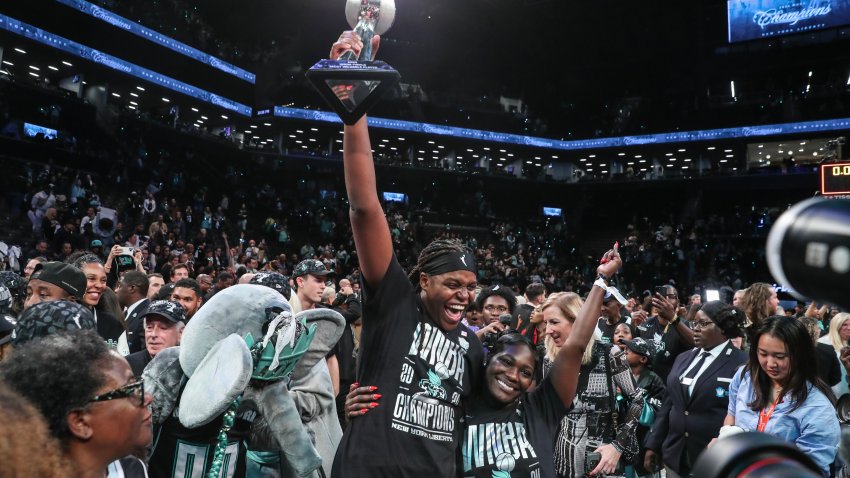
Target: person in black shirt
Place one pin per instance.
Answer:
(668, 333)
(611, 317)
(509, 430)
(414, 348)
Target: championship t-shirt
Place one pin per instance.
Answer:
(515, 442)
(424, 375)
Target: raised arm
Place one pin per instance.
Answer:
(368, 223)
(568, 361)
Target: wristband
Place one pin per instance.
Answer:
(601, 283)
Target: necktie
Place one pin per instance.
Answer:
(688, 379)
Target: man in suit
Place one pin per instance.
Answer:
(697, 391)
(132, 295)
(163, 324)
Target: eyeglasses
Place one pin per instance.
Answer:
(672, 296)
(703, 324)
(497, 308)
(135, 390)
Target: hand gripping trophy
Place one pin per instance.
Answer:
(351, 86)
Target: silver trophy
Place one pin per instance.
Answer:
(352, 85)
(368, 18)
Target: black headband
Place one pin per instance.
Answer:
(450, 262)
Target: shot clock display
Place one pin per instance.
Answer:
(835, 178)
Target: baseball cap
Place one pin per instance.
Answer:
(48, 318)
(6, 325)
(66, 276)
(96, 243)
(14, 282)
(275, 280)
(641, 347)
(167, 309)
(311, 266)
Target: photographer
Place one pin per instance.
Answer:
(494, 302)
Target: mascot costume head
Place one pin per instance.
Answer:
(242, 348)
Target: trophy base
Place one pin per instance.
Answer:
(351, 88)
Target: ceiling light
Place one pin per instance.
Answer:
(204, 117)
(267, 124)
(314, 129)
(195, 110)
(20, 51)
(8, 63)
(253, 126)
(116, 95)
(134, 103)
(140, 88)
(224, 117)
(729, 150)
(134, 95)
(34, 74)
(166, 100)
(34, 68)
(53, 68)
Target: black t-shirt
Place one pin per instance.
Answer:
(515, 442)
(607, 330)
(668, 345)
(179, 451)
(424, 374)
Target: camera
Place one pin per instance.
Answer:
(489, 340)
(126, 251)
(661, 290)
(754, 455)
(808, 250)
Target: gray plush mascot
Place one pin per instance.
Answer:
(227, 385)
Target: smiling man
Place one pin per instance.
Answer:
(164, 322)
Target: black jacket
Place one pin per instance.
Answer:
(690, 423)
(135, 327)
(109, 327)
(829, 368)
(138, 361)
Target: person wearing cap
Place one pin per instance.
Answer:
(309, 277)
(273, 280)
(610, 314)
(670, 335)
(163, 322)
(413, 345)
(639, 354)
(55, 281)
(697, 391)
(47, 318)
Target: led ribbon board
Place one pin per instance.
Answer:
(120, 22)
(68, 46)
(835, 179)
(751, 19)
(599, 143)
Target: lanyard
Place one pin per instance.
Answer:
(765, 414)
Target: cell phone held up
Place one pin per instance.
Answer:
(661, 290)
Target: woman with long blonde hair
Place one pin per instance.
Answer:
(593, 436)
(839, 334)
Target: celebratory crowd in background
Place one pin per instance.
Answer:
(507, 352)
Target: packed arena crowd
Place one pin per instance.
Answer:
(172, 321)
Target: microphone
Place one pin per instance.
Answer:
(808, 251)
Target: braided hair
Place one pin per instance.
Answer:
(436, 248)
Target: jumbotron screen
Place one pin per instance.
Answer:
(752, 19)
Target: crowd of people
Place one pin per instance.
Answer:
(383, 347)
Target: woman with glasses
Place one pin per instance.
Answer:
(90, 400)
(697, 391)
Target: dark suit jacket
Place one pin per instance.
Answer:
(109, 327)
(690, 423)
(138, 361)
(829, 368)
(135, 327)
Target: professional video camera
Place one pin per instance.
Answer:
(808, 251)
(754, 455)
